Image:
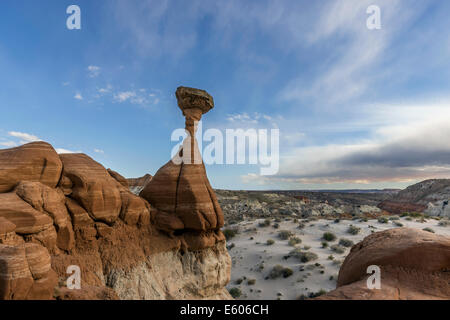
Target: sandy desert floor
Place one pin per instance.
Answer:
(253, 258)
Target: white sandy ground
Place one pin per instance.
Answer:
(248, 254)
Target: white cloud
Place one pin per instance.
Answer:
(78, 96)
(124, 96)
(99, 151)
(9, 144)
(93, 71)
(63, 151)
(25, 137)
(350, 68)
(407, 143)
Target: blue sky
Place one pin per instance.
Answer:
(356, 108)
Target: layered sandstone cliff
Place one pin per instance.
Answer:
(58, 211)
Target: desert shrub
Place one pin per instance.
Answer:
(337, 262)
(306, 247)
(284, 234)
(235, 292)
(330, 257)
(338, 249)
(324, 244)
(337, 220)
(230, 233)
(303, 256)
(393, 218)
(265, 223)
(383, 220)
(398, 224)
(319, 293)
(251, 282)
(329, 236)
(415, 214)
(301, 225)
(278, 271)
(428, 230)
(270, 242)
(276, 226)
(364, 219)
(408, 219)
(353, 230)
(444, 223)
(239, 281)
(404, 214)
(346, 242)
(294, 241)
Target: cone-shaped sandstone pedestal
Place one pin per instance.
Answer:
(180, 190)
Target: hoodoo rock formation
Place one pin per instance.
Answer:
(180, 190)
(414, 264)
(67, 210)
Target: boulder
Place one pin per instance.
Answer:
(27, 219)
(92, 187)
(414, 264)
(134, 208)
(25, 272)
(51, 202)
(36, 161)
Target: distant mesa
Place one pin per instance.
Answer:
(430, 197)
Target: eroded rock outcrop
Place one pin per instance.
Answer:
(67, 210)
(36, 161)
(430, 197)
(414, 265)
(180, 190)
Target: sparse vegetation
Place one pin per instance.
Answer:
(285, 234)
(265, 223)
(235, 292)
(353, 230)
(324, 244)
(293, 241)
(319, 293)
(444, 223)
(303, 256)
(383, 220)
(230, 233)
(270, 242)
(346, 242)
(338, 249)
(278, 271)
(398, 224)
(428, 230)
(251, 282)
(329, 236)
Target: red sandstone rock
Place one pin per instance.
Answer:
(27, 219)
(92, 187)
(36, 161)
(25, 272)
(118, 177)
(51, 202)
(414, 265)
(133, 208)
(181, 188)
